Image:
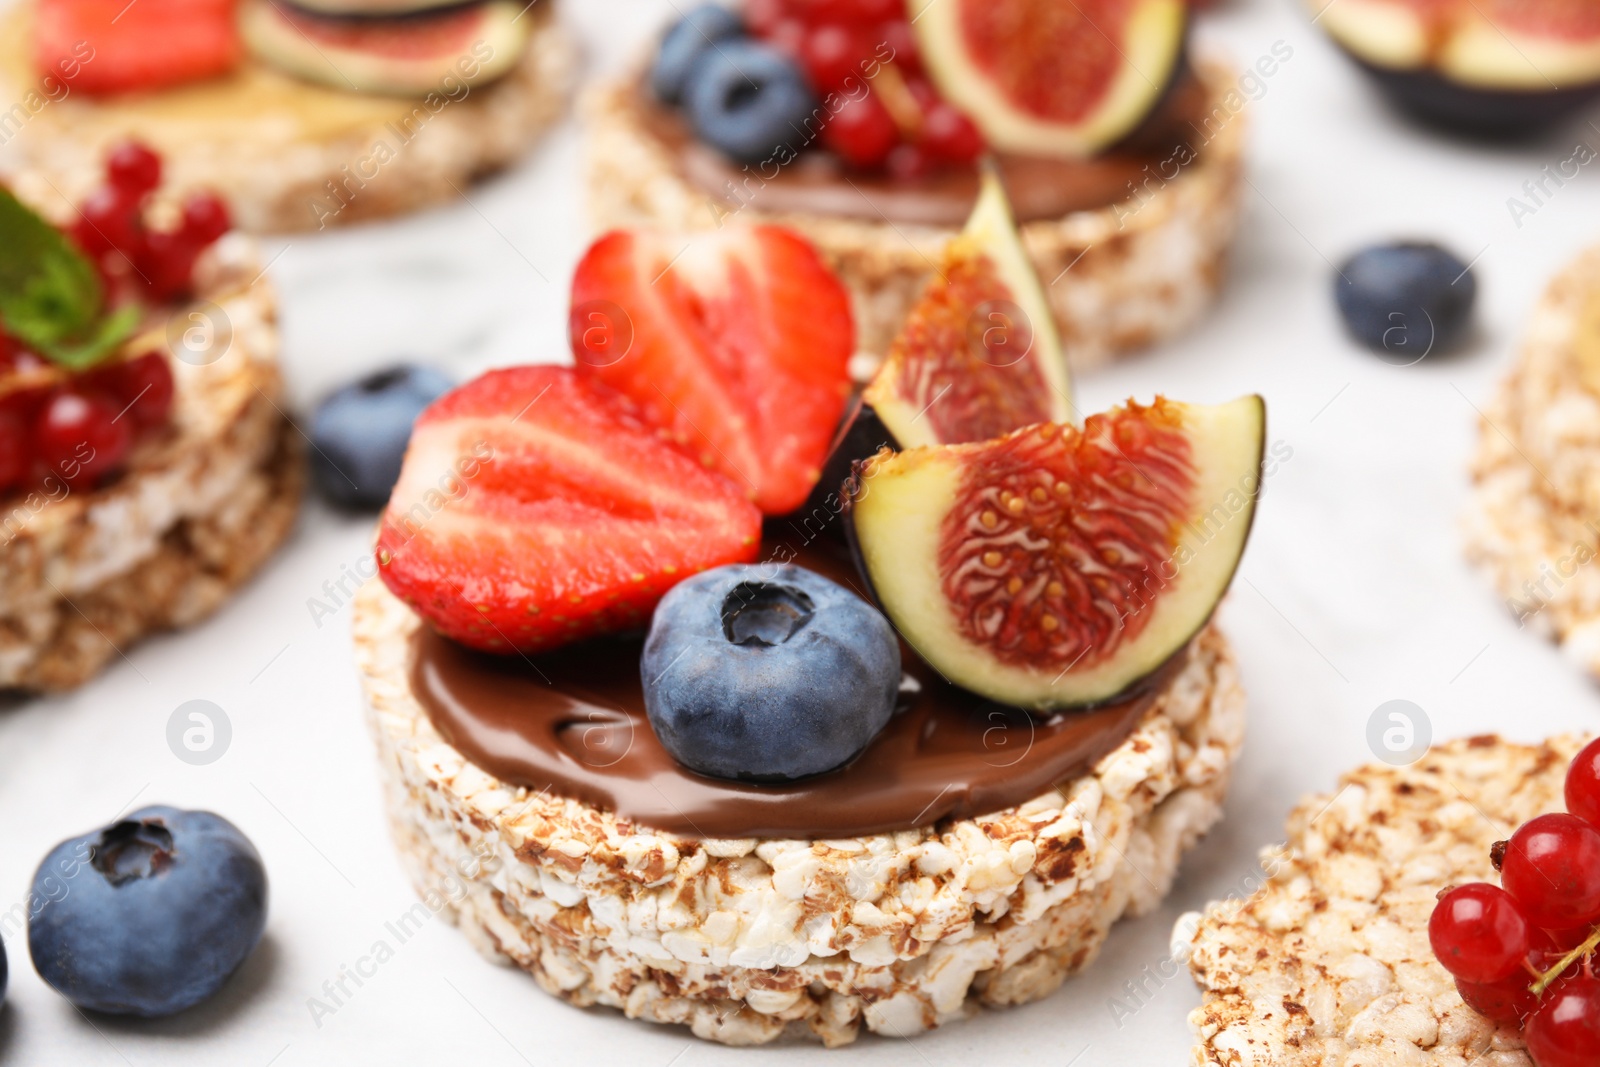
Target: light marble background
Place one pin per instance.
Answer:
(1354, 592)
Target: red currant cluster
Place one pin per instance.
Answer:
(1523, 955)
(900, 123)
(111, 229)
(81, 430)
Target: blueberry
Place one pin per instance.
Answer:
(749, 100)
(767, 673)
(149, 915)
(683, 44)
(3, 974)
(1406, 299)
(361, 431)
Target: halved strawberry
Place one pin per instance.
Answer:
(112, 46)
(536, 508)
(740, 341)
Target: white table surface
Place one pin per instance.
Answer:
(1354, 592)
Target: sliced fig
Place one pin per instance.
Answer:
(979, 355)
(432, 52)
(1057, 567)
(1044, 77)
(1489, 66)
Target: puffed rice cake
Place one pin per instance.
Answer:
(1534, 519)
(1117, 280)
(310, 157)
(198, 511)
(1329, 965)
(745, 941)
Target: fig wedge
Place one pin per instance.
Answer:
(1057, 567)
(979, 356)
(1050, 78)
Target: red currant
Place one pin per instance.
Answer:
(134, 168)
(950, 136)
(816, 12)
(1479, 934)
(902, 43)
(832, 55)
(107, 221)
(79, 437)
(13, 448)
(205, 218)
(879, 10)
(143, 385)
(1583, 785)
(908, 162)
(1565, 1030)
(788, 37)
(763, 16)
(1552, 867)
(167, 264)
(1507, 1002)
(862, 132)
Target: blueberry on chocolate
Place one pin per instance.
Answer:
(768, 673)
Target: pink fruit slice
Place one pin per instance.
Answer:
(979, 355)
(1051, 78)
(1058, 567)
(414, 55)
(1519, 45)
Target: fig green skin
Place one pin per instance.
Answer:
(155, 934)
(855, 489)
(807, 703)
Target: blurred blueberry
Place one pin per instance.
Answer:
(749, 100)
(361, 432)
(1406, 300)
(150, 915)
(3, 973)
(681, 48)
(767, 673)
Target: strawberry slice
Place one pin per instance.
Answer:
(112, 46)
(736, 340)
(536, 508)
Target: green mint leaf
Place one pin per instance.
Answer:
(50, 294)
(109, 336)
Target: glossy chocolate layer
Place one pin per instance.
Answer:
(574, 722)
(817, 183)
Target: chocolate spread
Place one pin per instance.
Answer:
(573, 722)
(817, 183)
